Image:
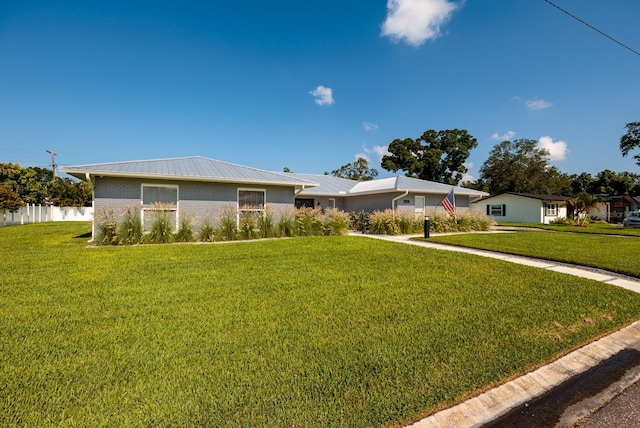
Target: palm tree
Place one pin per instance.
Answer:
(581, 204)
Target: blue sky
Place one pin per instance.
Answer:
(310, 85)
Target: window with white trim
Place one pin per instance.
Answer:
(251, 202)
(332, 203)
(551, 210)
(159, 199)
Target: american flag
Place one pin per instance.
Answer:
(449, 203)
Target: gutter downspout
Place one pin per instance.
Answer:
(93, 204)
(393, 202)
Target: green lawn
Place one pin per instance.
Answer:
(593, 228)
(317, 332)
(615, 253)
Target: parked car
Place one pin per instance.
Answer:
(632, 219)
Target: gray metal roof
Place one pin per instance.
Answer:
(196, 168)
(529, 195)
(416, 185)
(335, 186)
(328, 185)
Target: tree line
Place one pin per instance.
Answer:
(512, 166)
(33, 185)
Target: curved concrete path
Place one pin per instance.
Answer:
(494, 403)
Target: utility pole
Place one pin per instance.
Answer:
(53, 162)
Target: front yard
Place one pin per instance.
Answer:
(320, 331)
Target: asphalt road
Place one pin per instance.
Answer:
(621, 412)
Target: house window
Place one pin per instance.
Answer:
(551, 210)
(332, 203)
(496, 210)
(250, 200)
(304, 203)
(159, 199)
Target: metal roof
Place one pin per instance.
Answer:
(529, 195)
(328, 185)
(402, 183)
(195, 168)
(336, 186)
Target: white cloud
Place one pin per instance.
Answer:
(363, 156)
(504, 137)
(557, 149)
(368, 126)
(467, 177)
(323, 96)
(415, 21)
(378, 151)
(538, 104)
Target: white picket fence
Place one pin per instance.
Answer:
(40, 213)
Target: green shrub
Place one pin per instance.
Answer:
(383, 223)
(266, 223)
(227, 229)
(335, 222)
(107, 227)
(185, 228)
(129, 230)
(286, 225)
(207, 231)
(360, 221)
(308, 222)
(161, 228)
(248, 228)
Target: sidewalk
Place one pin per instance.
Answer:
(496, 402)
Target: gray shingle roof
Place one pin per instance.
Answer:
(189, 168)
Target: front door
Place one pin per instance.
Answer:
(419, 207)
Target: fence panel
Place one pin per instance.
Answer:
(33, 213)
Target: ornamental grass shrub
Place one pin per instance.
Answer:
(207, 232)
(266, 223)
(107, 227)
(129, 231)
(383, 223)
(232, 225)
(227, 227)
(248, 228)
(286, 224)
(161, 231)
(335, 222)
(308, 222)
(389, 223)
(185, 228)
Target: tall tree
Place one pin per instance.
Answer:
(358, 170)
(435, 155)
(9, 200)
(581, 183)
(64, 192)
(29, 183)
(608, 182)
(631, 140)
(521, 166)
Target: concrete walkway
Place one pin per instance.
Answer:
(490, 405)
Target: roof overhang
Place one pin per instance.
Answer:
(86, 175)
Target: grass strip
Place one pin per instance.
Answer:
(318, 332)
(613, 253)
(592, 228)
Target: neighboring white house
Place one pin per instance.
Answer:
(523, 207)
